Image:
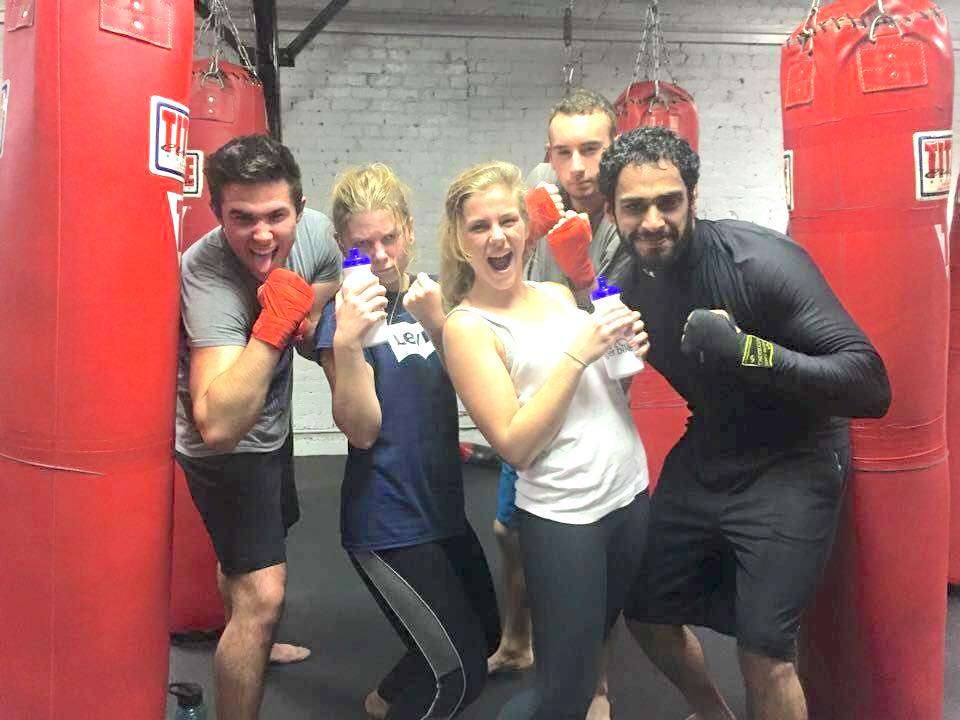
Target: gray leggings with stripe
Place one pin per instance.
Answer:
(577, 582)
(440, 599)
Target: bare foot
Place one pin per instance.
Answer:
(286, 654)
(599, 708)
(504, 660)
(375, 706)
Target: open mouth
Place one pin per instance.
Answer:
(501, 263)
(263, 261)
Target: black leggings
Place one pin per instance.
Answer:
(440, 599)
(577, 581)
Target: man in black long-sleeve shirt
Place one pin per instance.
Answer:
(745, 327)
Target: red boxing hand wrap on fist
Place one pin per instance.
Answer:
(286, 298)
(569, 245)
(542, 211)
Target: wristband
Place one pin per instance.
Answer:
(575, 359)
(542, 212)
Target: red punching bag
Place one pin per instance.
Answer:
(91, 173)
(953, 398)
(659, 413)
(658, 103)
(867, 97)
(226, 101)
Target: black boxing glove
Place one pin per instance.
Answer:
(712, 340)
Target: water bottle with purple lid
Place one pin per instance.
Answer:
(356, 264)
(620, 359)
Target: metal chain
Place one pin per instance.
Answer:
(653, 53)
(569, 67)
(657, 48)
(882, 18)
(215, 23)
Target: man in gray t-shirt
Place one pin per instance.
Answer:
(219, 307)
(249, 290)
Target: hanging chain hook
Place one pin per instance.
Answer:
(217, 23)
(569, 67)
(808, 29)
(658, 49)
(882, 18)
(653, 52)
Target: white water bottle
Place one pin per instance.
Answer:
(619, 360)
(356, 264)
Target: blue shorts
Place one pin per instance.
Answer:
(506, 496)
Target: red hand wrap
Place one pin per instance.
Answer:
(542, 211)
(569, 245)
(286, 298)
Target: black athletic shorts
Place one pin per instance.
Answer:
(248, 501)
(745, 558)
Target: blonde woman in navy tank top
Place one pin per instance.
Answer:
(522, 357)
(402, 517)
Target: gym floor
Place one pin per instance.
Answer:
(329, 610)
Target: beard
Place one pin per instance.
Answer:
(659, 257)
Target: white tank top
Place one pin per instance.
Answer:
(596, 463)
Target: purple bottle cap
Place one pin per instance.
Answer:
(355, 258)
(603, 290)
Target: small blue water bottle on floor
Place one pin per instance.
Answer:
(189, 701)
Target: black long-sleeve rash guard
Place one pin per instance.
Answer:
(824, 369)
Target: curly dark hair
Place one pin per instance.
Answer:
(646, 146)
(251, 159)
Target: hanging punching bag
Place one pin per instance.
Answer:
(867, 97)
(659, 413)
(662, 104)
(953, 398)
(91, 169)
(225, 102)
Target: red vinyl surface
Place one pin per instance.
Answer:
(639, 106)
(90, 178)
(218, 113)
(866, 132)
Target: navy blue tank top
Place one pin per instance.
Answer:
(407, 488)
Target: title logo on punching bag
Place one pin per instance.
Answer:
(169, 121)
(193, 174)
(933, 160)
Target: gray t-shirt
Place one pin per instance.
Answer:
(542, 267)
(218, 306)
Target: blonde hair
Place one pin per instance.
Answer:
(456, 275)
(368, 189)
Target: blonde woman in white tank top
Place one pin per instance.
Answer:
(523, 360)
